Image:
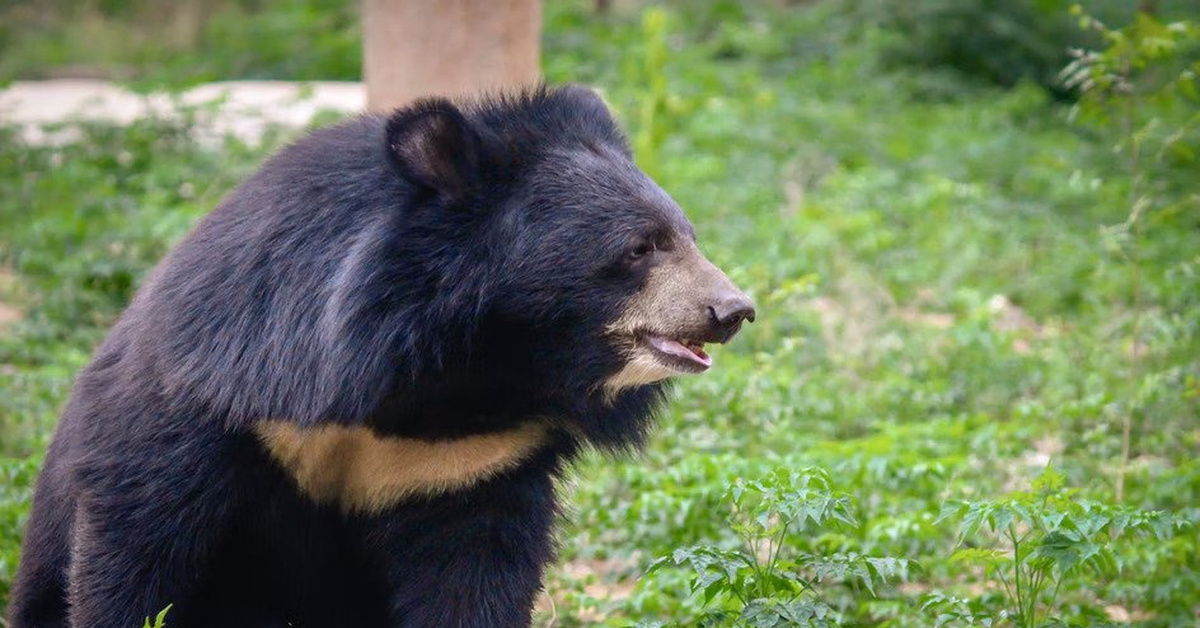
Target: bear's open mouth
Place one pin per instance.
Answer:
(682, 355)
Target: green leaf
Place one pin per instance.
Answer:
(160, 620)
(1050, 481)
(1064, 552)
(988, 557)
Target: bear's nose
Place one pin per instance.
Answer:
(729, 311)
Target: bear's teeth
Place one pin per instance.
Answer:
(668, 345)
(682, 349)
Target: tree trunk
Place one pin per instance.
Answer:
(415, 48)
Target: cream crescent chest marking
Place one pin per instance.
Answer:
(364, 472)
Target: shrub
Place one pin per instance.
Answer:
(1003, 42)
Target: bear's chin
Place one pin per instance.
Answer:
(654, 358)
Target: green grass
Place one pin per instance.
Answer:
(153, 44)
(944, 304)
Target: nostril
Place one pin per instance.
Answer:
(732, 311)
(745, 313)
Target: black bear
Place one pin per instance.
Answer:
(345, 398)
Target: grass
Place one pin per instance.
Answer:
(945, 305)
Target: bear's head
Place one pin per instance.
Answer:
(594, 285)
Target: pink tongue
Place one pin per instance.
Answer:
(672, 347)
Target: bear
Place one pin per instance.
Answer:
(347, 396)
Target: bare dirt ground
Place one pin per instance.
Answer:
(242, 108)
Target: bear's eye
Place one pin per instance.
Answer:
(640, 250)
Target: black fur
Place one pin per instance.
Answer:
(443, 272)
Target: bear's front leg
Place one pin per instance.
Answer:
(146, 524)
(467, 560)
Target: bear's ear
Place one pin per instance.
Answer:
(585, 99)
(589, 105)
(434, 146)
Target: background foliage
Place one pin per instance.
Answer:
(973, 393)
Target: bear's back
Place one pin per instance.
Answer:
(247, 316)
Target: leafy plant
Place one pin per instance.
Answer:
(650, 112)
(1033, 541)
(1143, 66)
(765, 582)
